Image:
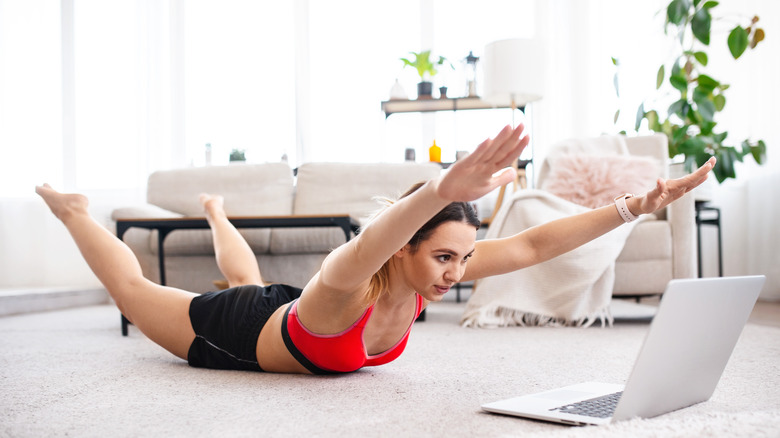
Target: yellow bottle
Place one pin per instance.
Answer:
(434, 153)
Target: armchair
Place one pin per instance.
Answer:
(635, 260)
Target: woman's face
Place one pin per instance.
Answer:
(440, 261)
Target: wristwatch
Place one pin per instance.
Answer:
(622, 208)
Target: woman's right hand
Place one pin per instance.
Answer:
(477, 174)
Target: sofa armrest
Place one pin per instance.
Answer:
(146, 211)
(681, 215)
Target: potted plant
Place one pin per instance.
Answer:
(689, 122)
(237, 155)
(426, 68)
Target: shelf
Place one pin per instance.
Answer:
(429, 105)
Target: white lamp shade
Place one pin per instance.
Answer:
(513, 71)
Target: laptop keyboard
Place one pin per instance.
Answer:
(599, 407)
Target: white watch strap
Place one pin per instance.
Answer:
(622, 208)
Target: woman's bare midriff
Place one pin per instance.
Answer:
(272, 353)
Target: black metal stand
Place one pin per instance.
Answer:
(708, 215)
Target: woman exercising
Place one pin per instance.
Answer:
(359, 308)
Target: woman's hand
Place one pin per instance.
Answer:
(478, 173)
(667, 191)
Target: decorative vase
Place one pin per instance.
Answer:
(397, 92)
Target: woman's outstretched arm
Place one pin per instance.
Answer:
(353, 264)
(546, 241)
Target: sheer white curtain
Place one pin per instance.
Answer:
(96, 94)
(30, 95)
(240, 79)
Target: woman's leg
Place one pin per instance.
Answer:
(161, 313)
(235, 258)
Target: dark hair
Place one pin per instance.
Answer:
(454, 212)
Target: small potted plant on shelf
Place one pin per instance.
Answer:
(237, 156)
(427, 69)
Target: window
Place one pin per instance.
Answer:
(240, 79)
(30, 90)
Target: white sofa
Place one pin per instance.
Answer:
(285, 255)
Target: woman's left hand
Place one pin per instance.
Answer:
(484, 169)
(667, 191)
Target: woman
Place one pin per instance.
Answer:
(358, 309)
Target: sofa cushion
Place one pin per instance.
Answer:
(248, 189)
(305, 240)
(351, 188)
(200, 242)
(600, 146)
(594, 181)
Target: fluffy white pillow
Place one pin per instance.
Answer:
(595, 180)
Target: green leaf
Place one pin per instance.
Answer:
(720, 102)
(738, 41)
(700, 94)
(702, 158)
(700, 25)
(692, 146)
(706, 127)
(758, 151)
(652, 120)
(703, 103)
(677, 11)
(615, 119)
(679, 82)
(640, 114)
(701, 57)
(673, 151)
(732, 155)
(679, 108)
(680, 134)
(659, 78)
(615, 61)
(707, 82)
(710, 5)
(724, 167)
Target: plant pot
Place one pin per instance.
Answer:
(425, 90)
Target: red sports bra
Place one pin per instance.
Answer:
(337, 353)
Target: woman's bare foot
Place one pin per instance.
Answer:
(63, 205)
(214, 205)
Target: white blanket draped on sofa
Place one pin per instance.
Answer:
(572, 289)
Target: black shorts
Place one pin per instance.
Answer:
(227, 324)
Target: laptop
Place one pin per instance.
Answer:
(683, 356)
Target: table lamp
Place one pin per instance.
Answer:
(513, 71)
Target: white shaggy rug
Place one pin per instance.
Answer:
(71, 373)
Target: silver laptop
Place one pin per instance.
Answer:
(683, 356)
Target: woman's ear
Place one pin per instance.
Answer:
(407, 249)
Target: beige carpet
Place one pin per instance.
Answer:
(70, 373)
